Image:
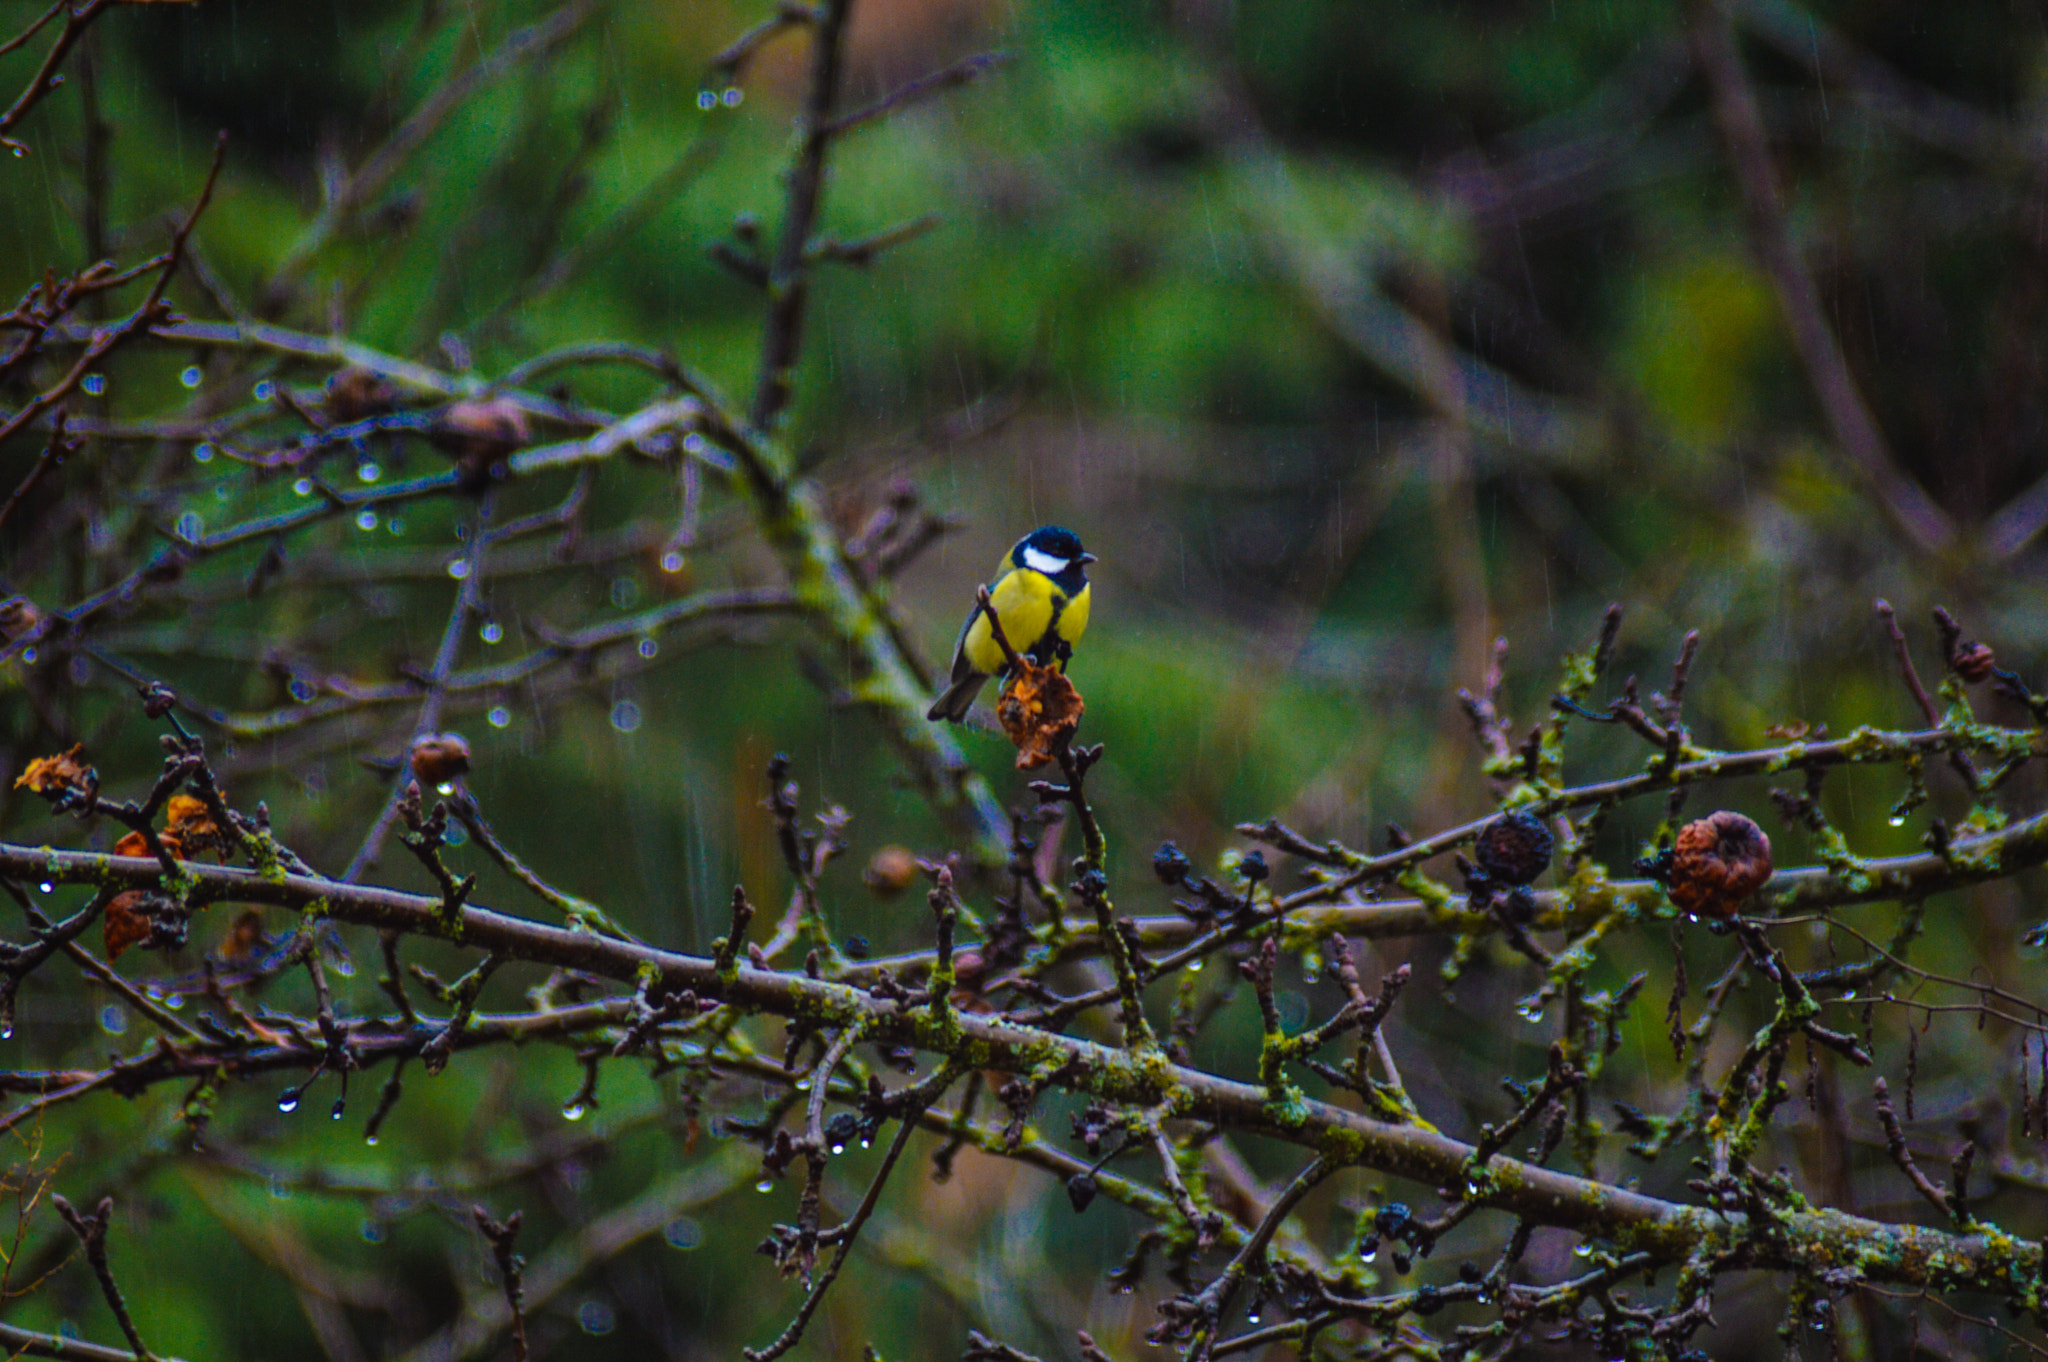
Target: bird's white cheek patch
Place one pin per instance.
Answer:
(1044, 562)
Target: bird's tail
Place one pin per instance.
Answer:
(958, 698)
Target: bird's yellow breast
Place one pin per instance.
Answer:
(1034, 614)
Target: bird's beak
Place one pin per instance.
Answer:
(1085, 558)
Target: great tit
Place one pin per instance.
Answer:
(1040, 593)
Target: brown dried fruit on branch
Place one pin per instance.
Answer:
(1515, 848)
(1718, 862)
(439, 758)
(480, 435)
(1040, 709)
(354, 394)
(189, 826)
(127, 922)
(1973, 662)
(890, 871)
(135, 844)
(61, 778)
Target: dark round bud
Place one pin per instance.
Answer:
(158, 699)
(1171, 864)
(439, 758)
(353, 394)
(1973, 661)
(1393, 1220)
(1515, 848)
(1081, 1190)
(1092, 884)
(1718, 862)
(842, 1130)
(1427, 1301)
(1252, 865)
(890, 871)
(169, 926)
(479, 433)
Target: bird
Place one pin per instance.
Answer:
(1040, 593)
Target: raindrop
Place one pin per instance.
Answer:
(693, 443)
(304, 487)
(765, 1185)
(683, 1233)
(264, 391)
(446, 787)
(373, 1230)
(866, 1143)
(370, 1139)
(626, 716)
(596, 1318)
(803, 1085)
(671, 561)
(202, 453)
(458, 568)
(1252, 1318)
(648, 647)
(732, 97)
(838, 1149)
(574, 1111)
(113, 1020)
(1584, 1249)
(340, 1106)
(93, 384)
(192, 377)
(174, 1001)
(1531, 1011)
(288, 1101)
(29, 656)
(46, 887)
(368, 471)
(7, 1031)
(19, 152)
(396, 525)
(625, 592)
(366, 520)
(706, 99)
(499, 716)
(301, 689)
(190, 527)
(491, 632)
(1898, 820)
(1195, 965)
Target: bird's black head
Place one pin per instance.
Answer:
(1057, 553)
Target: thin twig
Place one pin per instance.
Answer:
(1855, 432)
